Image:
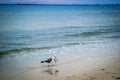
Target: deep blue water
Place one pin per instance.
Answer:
(32, 17)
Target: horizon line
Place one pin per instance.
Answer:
(52, 4)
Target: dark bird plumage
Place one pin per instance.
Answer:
(47, 61)
(50, 60)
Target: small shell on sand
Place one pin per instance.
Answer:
(117, 77)
(56, 70)
(102, 69)
(68, 77)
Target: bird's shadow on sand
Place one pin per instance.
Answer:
(52, 71)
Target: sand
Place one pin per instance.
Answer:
(110, 72)
(95, 67)
(101, 68)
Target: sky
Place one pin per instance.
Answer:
(61, 1)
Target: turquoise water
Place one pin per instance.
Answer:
(31, 33)
(32, 17)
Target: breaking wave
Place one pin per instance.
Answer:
(83, 34)
(22, 50)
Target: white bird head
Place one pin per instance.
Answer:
(55, 59)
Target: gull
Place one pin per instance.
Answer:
(50, 60)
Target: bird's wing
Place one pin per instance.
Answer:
(48, 60)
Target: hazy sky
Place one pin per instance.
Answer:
(63, 1)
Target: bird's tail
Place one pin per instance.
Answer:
(42, 61)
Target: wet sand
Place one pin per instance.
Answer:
(90, 68)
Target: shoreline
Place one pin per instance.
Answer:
(94, 64)
(101, 68)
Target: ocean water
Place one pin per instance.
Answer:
(31, 33)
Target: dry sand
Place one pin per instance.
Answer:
(94, 69)
(110, 72)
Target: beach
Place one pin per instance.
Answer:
(103, 72)
(107, 68)
(104, 66)
(84, 38)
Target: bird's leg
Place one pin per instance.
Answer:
(52, 64)
(48, 65)
(55, 60)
